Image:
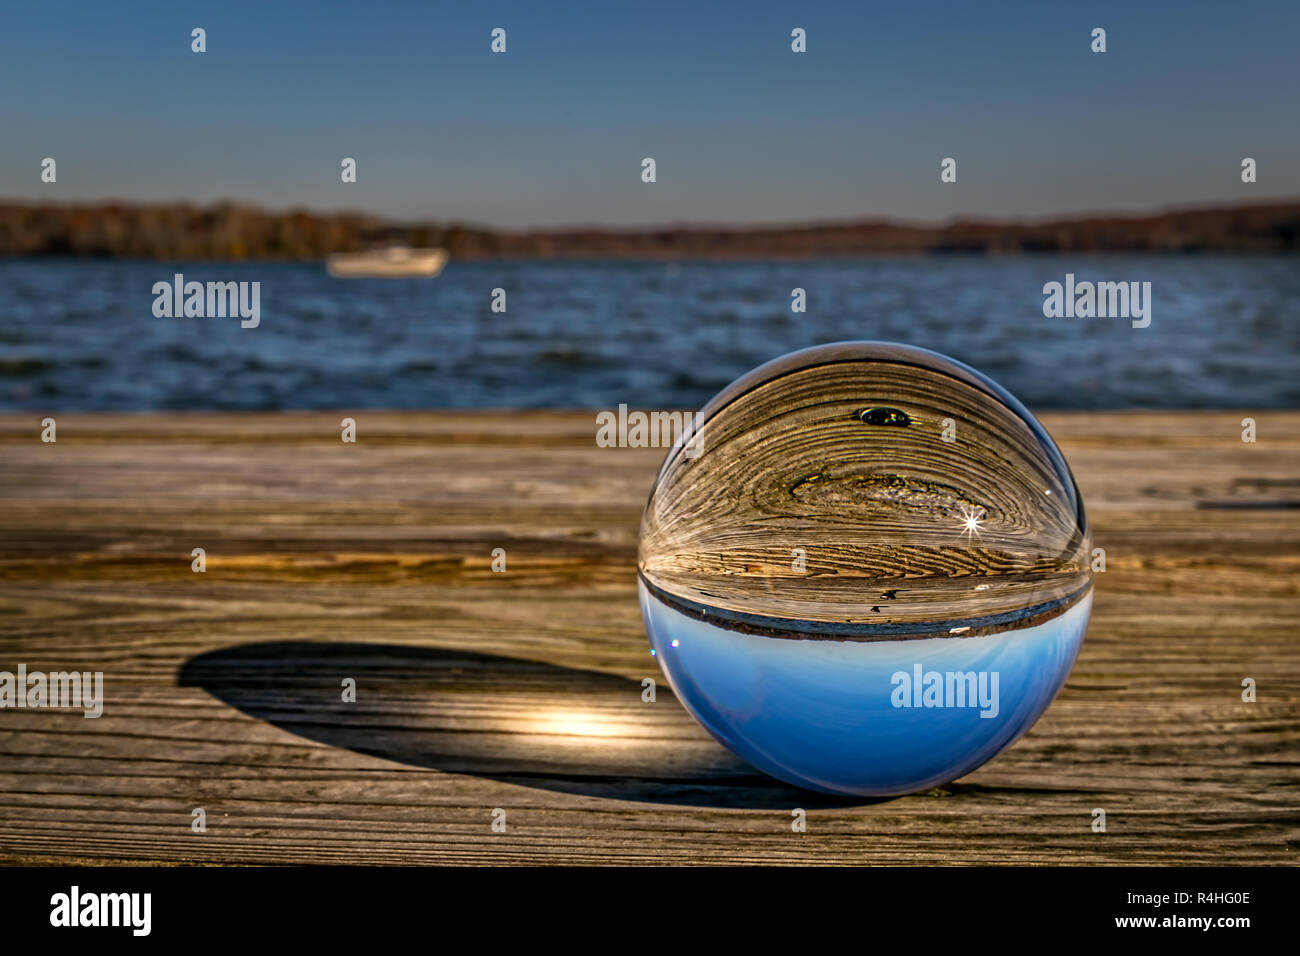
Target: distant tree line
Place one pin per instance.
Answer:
(232, 232)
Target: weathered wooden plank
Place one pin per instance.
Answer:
(522, 690)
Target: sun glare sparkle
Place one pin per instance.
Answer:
(970, 521)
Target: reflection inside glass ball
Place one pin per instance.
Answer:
(868, 572)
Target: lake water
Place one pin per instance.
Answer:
(81, 335)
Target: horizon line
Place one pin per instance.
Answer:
(790, 225)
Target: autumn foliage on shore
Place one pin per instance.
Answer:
(233, 232)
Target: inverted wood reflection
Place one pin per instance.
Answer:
(870, 493)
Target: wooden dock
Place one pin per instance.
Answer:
(521, 691)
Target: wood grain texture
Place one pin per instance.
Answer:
(522, 690)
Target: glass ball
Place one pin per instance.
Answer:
(866, 569)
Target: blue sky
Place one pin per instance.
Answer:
(742, 129)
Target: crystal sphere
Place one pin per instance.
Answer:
(866, 570)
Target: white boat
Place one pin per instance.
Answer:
(395, 262)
